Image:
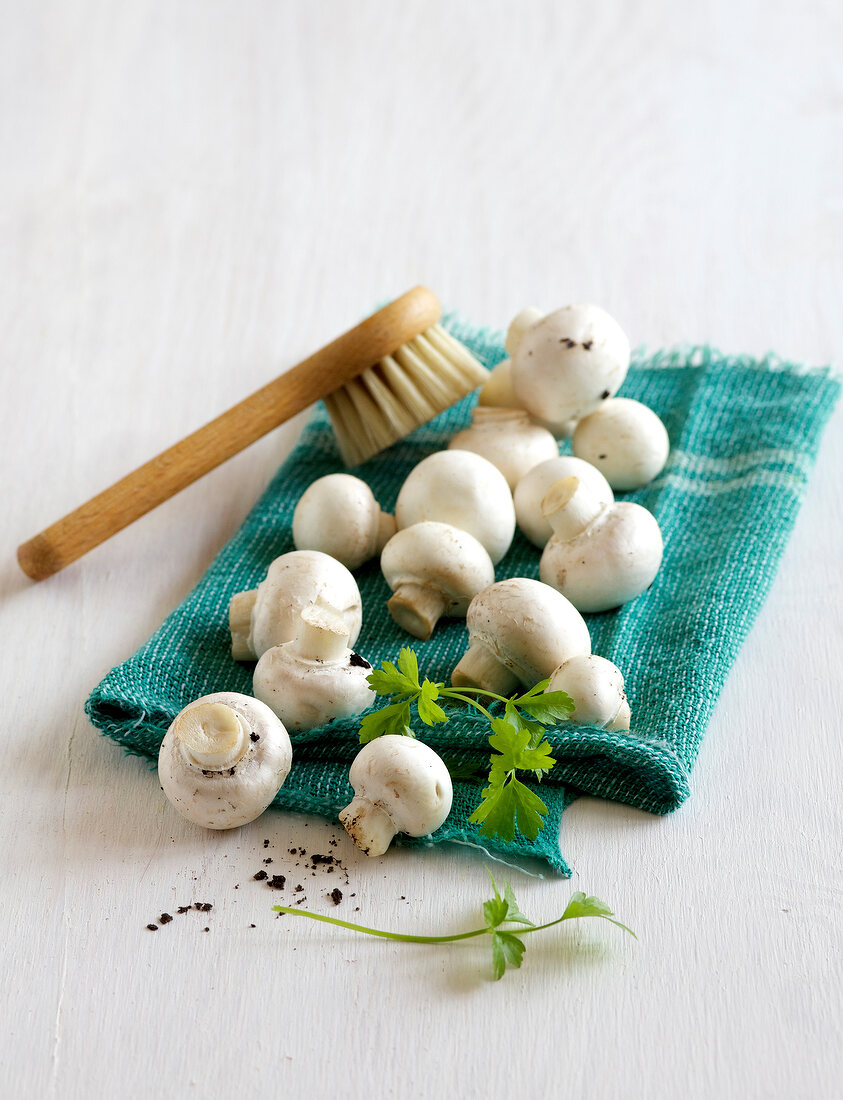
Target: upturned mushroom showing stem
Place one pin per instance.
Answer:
(316, 677)
(434, 570)
(270, 614)
(400, 785)
(600, 555)
(223, 760)
(519, 631)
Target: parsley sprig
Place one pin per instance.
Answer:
(517, 738)
(508, 945)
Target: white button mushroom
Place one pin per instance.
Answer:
(596, 687)
(434, 570)
(338, 514)
(508, 439)
(400, 785)
(465, 490)
(564, 365)
(600, 555)
(625, 440)
(498, 392)
(315, 677)
(270, 614)
(519, 325)
(223, 760)
(532, 488)
(519, 631)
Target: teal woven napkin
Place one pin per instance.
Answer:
(744, 435)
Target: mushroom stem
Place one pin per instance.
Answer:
(322, 636)
(213, 735)
(386, 529)
(417, 608)
(569, 506)
(480, 667)
(369, 825)
(240, 621)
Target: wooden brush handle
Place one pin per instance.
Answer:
(164, 476)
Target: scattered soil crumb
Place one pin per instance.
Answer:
(203, 906)
(184, 908)
(206, 929)
(165, 918)
(252, 926)
(152, 927)
(268, 859)
(335, 896)
(277, 882)
(260, 876)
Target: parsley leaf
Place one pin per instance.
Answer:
(582, 906)
(429, 711)
(392, 719)
(507, 950)
(549, 708)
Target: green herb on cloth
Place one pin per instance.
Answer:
(517, 738)
(508, 946)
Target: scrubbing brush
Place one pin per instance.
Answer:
(380, 380)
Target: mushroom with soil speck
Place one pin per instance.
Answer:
(434, 570)
(519, 631)
(532, 488)
(625, 440)
(316, 677)
(223, 760)
(338, 514)
(566, 363)
(600, 555)
(400, 785)
(270, 615)
(465, 490)
(596, 687)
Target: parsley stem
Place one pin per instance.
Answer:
(449, 693)
(404, 937)
(478, 691)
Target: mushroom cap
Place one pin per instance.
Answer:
(497, 391)
(441, 555)
(596, 687)
(612, 561)
(465, 490)
(407, 779)
(568, 362)
(508, 439)
(625, 440)
(298, 580)
(225, 798)
(526, 626)
(531, 489)
(338, 514)
(305, 693)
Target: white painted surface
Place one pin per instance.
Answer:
(193, 196)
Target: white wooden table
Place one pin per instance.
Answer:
(192, 197)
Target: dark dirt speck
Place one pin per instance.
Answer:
(356, 661)
(335, 896)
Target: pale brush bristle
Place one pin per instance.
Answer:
(402, 392)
